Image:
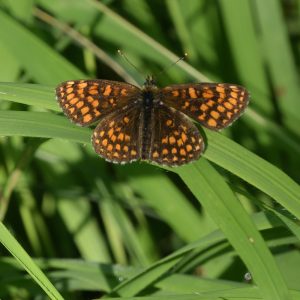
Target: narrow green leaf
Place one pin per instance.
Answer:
(11, 244)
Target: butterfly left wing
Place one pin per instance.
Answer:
(214, 105)
(117, 137)
(175, 139)
(87, 101)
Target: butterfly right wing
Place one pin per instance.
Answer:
(86, 101)
(175, 139)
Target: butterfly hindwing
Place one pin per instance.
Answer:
(175, 139)
(117, 137)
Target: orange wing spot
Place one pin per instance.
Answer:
(62, 94)
(221, 100)
(107, 90)
(127, 138)
(172, 140)
(215, 114)
(203, 107)
(133, 152)
(69, 90)
(104, 142)
(102, 133)
(183, 137)
(220, 108)
(220, 89)
(123, 92)
(121, 136)
(116, 154)
(80, 91)
(70, 96)
(74, 100)
(67, 105)
(95, 103)
(111, 124)
(164, 140)
(175, 93)
(82, 85)
(126, 120)
(176, 132)
(111, 100)
(169, 122)
(186, 105)
(192, 93)
(113, 138)
(232, 101)
(87, 118)
(125, 148)
(197, 147)
(202, 117)
(110, 147)
(175, 158)
(193, 139)
(93, 91)
(118, 147)
(71, 110)
(96, 112)
(79, 104)
(85, 110)
(155, 154)
(110, 132)
(208, 94)
(210, 103)
(97, 141)
(174, 150)
(229, 114)
(179, 142)
(234, 94)
(182, 152)
(165, 151)
(228, 105)
(90, 99)
(189, 148)
(212, 123)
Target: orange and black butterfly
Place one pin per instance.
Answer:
(150, 123)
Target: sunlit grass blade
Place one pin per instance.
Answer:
(11, 244)
(55, 68)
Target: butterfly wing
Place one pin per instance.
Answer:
(214, 105)
(175, 139)
(86, 101)
(117, 138)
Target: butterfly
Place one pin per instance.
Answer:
(150, 123)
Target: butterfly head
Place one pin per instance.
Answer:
(150, 82)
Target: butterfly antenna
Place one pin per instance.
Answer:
(129, 62)
(172, 64)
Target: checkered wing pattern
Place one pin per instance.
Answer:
(214, 105)
(117, 137)
(86, 101)
(175, 139)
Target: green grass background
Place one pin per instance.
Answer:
(75, 227)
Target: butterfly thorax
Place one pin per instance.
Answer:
(149, 98)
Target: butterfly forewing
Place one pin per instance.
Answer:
(86, 101)
(214, 105)
(117, 137)
(175, 139)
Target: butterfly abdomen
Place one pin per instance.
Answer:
(148, 98)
